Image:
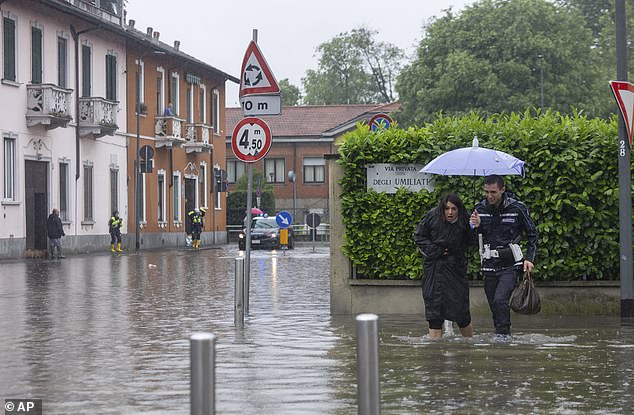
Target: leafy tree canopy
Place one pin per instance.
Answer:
(353, 68)
(290, 93)
(490, 59)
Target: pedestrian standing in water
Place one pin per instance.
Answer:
(114, 225)
(501, 222)
(443, 237)
(55, 231)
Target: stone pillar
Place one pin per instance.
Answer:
(340, 290)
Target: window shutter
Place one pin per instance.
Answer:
(111, 77)
(9, 49)
(61, 62)
(85, 71)
(36, 55)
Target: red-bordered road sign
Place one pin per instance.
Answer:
(624, 95)
(256, 76)
(251, 139)
(380, 122)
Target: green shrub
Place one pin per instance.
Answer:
(571, 189)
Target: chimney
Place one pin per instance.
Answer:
(149, 31)
(156, 35)
(131, 23)
(177, 44)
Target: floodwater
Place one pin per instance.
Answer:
(109, 334)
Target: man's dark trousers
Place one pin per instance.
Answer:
(498, 287)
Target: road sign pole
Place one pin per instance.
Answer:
(247, 248)
(625, 176)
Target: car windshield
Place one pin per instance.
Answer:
(265, 223)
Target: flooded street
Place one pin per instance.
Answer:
(109, 334)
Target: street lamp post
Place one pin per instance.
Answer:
(541, 81)
(137, 196)
(293, 178)
(137, 242)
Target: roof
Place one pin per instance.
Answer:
(133, 34)
(313, 120)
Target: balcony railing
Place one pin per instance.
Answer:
(48, 105)
(197, 138)
(168, 131)
(97, 117)
(110, 10)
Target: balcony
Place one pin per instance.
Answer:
(197, 138)
(167, 131)
(48, 105)
(97, 117)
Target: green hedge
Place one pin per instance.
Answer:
(571, 189)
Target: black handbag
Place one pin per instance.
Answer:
(525, 298)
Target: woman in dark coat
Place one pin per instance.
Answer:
(443, 237)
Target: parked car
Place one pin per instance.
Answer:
(265, 234)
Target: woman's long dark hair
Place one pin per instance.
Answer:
(463, 216)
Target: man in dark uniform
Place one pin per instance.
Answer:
(196, 216)
(502, 221)
(114, 226)
(55, 231)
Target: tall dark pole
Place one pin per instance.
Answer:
(541, 81)
(625, 176)
(137, 242)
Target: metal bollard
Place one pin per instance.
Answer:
(368, 390)
(238, 302)
(203, 368)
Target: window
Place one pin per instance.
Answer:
(8, 48)
(314, 170)
(177, 197)
(161, 196)
(111, 77)
(63, 191)
(88, 193)
(202, 182)
(235, 170)
(62, 61)
(114, 189)
(86, 81)
(190, 103)
(36, 55)
(9, 168)
(160, 92)
(203, 104)
(274, 170)
(174, 94)
(215, 111)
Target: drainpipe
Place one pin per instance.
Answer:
(75, 34)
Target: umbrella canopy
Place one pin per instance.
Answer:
(256, 211)
(474, 161)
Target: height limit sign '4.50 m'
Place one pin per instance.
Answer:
(251, 139)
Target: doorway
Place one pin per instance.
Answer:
(190, 202)
(36, 204)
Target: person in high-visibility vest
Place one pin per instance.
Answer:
(196, 216)
(114, 226)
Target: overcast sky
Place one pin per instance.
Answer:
(289, 31)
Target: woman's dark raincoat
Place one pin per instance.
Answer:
(445, 286)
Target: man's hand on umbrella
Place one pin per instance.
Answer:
(528, 266)
(475, 219)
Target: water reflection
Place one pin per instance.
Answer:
(109, 334)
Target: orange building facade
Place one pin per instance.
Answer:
(179, 144)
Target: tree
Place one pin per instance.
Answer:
(290, 93)
(353, 68)
(490, 57)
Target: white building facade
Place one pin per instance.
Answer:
(62, 123)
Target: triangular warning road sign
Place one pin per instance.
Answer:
(624, 95)
(256, 76)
